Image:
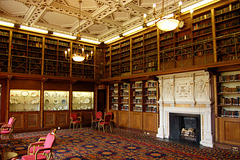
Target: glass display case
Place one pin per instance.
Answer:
(24, 100)
(56, 100)
(83, 100)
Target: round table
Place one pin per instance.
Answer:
(9, 155)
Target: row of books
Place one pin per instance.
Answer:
(205, 16)
(122, 93)
(228, 25)
(150, 84)
(229, 78)
(151, 101)
(232, 114)
(228, 8)
(225, 89)
(124, 100)
(201, 25)
(227, 16)
(229, 101)
(137, 93)
(4, 33)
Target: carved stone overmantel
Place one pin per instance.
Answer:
(187, 93)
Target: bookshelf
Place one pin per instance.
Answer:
(228, 108)
(167, 55)
(150, 52)
(137, 96)
(4, 50)
(227, 23)
(115, 60)
(150, 96)
(137, 54)
(124, 97)
(89, 65)
(202, 38)
(107, 62)
(125, 58)
(113, 96)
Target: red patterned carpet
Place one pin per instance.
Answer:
(86, 144)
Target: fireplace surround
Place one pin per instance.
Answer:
(186, 94)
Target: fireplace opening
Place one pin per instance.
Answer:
(185, 127)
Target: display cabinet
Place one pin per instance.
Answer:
(82, 100)
(56, 100)
(24, 100)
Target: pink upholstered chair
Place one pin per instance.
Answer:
(7, 129)
(105, 124)
(96, 119)
(75, 120)
(41, 152)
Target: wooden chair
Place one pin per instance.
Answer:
(97, 118)
(7, 129)
(105, 124)
(75, 121)
(37, 152)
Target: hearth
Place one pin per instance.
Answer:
(185, 127)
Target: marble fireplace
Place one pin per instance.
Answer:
(186, 94)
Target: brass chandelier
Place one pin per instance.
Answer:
(79, 54)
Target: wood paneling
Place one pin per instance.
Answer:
(57, 85)
(136, 120)
(123, 120)
(49, 119)
(19, 124)
(230, 130)
(33, 120)
(25, 84)
(62, 119)
(83, 86)
(150, 122)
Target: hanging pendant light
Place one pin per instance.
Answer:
(166, 24)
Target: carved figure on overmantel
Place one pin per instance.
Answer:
(201, 92)
(167, 88)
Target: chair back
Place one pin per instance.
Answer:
(49, 140)
(107, 118)
(74, 116)
(98, 115)
(11, 120)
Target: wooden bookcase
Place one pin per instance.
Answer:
(135, 104)
(227, 25)
(107, 62)
(125, 58)
(150, 52)
(4, 50)
(137, 54)
(228, 108)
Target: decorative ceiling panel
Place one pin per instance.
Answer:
(100, 19)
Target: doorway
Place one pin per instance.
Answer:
(101, 100)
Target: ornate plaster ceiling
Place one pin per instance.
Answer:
(100, 19)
